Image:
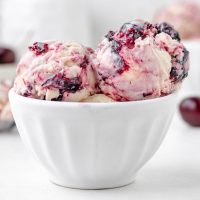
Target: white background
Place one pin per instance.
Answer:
(85, 21)
(172, 174)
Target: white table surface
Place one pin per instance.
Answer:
(172, 174)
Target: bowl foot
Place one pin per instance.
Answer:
(90, 186)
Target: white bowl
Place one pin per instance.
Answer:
(92, 145)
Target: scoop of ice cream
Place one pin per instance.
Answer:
(5, 111)
(141, 61)
(184, 15)
(99, 98)
(56, 71)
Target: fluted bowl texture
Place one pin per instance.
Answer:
(92, 145)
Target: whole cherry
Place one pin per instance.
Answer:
(190, 110)
(6, 55)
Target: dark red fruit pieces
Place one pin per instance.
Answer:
(110, 35)
(168, 29)
(64, 84)
(129, 32)
(190, 110)
(39, 48)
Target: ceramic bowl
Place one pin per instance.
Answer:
(92, 145)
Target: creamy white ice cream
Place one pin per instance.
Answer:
(141, 61)
(56, 71)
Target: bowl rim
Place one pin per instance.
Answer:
(18, 97)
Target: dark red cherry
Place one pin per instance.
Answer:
(168, 29)
(6, 55)
(190, 110)
(65, 84)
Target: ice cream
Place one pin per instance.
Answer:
(99, 98)
(5, 111)
(184, 15)
(141, 61)
(56, 71)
